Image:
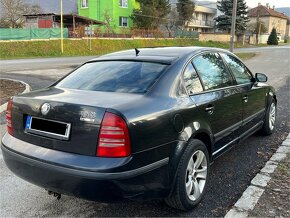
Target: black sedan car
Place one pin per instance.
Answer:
(137, 124)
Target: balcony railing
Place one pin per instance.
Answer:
(202, 23)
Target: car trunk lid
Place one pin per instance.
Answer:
(72, 122)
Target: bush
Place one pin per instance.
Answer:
(273, 39)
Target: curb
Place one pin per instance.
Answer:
(3, 107)
(252, 194)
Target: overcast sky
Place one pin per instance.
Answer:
(277, 3)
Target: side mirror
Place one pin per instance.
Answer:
(260, 77)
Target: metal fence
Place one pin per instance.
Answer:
(202, 23)
(136, 33)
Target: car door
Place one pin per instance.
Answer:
(220, 103)
(253, 94)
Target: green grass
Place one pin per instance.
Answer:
(280, 44)
(262, 45)
(35, 49)
(284, 167)
(30, 49)
(246, 55)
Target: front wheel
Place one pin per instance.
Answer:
(192, 177)
(270, 119)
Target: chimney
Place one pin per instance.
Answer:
(267, 5)
(273, 7)
(259, 3)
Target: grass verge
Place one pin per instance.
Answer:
(35, 49)
(246, 55)
(28, 49)
(284, 167)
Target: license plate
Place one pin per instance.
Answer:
(28, 122)
(48, 128)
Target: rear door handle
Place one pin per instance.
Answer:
(245, 98)
(209, 109)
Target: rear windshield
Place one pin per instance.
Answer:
(114, 76)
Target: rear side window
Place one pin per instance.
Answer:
(191, 80)
(212, 71)
(239, 70)
(114, 76)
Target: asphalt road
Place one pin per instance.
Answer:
(230, 174)
(41, 63)
(70, 62)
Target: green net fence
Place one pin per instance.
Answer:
(33, 33)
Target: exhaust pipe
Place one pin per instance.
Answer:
(55, 194)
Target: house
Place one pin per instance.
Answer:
(203, 19)
(50, 20)
(41, 21)
(116, 13)
(288, 29)
(271, 18)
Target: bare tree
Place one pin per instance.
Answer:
(13, 11)
(172, 22)
(257, 28)
(34, 9)
(108, 21)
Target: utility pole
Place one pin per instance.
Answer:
(233, 27)
(258, 29)
(91, 33)
(61, 27)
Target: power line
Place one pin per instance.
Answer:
(162, 18)
(233, 26)
(196, 3)
(150, 16)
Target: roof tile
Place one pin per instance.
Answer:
(264, 11)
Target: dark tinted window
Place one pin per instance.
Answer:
(212, 71)
(191, 80)
(114, 76)
(239, 70)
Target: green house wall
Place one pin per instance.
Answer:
(97, 8)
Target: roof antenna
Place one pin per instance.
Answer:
(137, 51)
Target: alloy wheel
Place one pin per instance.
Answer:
(272, 116)
(196, 175)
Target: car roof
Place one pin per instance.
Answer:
(164, 55)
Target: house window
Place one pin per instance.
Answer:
(84, 3)
(204, 17)
(123, 3)
(123, 21)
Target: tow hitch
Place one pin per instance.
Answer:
(55, 194)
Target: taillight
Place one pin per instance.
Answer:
(114, 140)
(9, 117)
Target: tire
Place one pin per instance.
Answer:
(270, 118)
(185, 195)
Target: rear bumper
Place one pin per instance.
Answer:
(84, 181)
